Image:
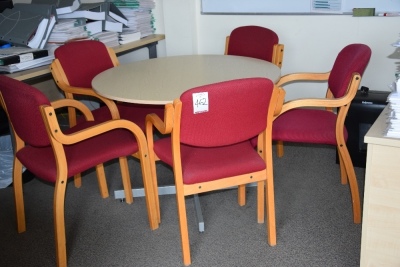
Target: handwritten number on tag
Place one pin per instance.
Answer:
(200, 102)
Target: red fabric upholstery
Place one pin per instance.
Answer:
(23, 101)
(252, 41)
(203, 164)
(22, 105)
(352, 58)
(237, 112)
(307, 126)
(319, 126)
(215, 144)
(82, 61)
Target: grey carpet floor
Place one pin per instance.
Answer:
(313, 218)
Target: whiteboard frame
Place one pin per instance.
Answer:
(388, 6)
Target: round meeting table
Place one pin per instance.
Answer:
(161, 80)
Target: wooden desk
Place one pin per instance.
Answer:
(380, 240)
(42, 73)
(161, 80)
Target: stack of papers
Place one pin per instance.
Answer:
(66, 30)
(139, 16)
(110, 39)
(13, 55)
(27, 65)
(393, 128)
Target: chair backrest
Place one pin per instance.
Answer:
(252, 41)
(237, 111)
(82, 61)
(351, 59)
(22, 102)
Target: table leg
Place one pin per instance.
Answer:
(166, 190)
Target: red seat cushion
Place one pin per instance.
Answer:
(201, 164)
(80, 156)
(306, 126)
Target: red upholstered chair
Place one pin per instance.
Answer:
(54, 155)
(256, 42)
(73, 69)
(314, 120)
(211, 150)
(75, 66)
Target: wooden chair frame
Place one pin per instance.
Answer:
(58, 140)
(342, 104)
(264, 178)
(277, 53)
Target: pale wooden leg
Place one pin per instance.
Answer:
(242, 195)
(151, 192)
(180, 199)
(19, 196)
(260, 201)
(59, 221)
(78, 180)
(351, 177)
(279, 149)
(270, 202)
(126, 180)
(343, 173)
(101, 179)
(153, 174)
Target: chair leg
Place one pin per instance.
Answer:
(183, 226)
(126, 180)
(242, 195)
(19, 196)
(279, 149)
(78, 180)
(153, 175)
(270, 202)
(260, 202)
(151, 191)
(101, 179)
(355, 195)
(343, 173)
(59, 222)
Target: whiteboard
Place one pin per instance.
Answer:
(294, 6)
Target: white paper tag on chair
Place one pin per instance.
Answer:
(200, 102)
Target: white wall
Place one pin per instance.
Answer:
(311, 42)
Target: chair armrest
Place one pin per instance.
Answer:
(62, 82)
(62, 103)
(53, 128)
(313, 102)
(303, 76)
(280, 99)
(164, 127)
(325, 102)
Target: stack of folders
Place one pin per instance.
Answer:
(15, 59)
(393, 123)
(111, 17)
(27, 25)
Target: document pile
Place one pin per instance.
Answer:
(27, 25)
(140, 19)
(67, 30)
(393, 128)
(15, 59)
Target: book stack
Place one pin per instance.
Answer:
(393, 123)
(15, 59)
(139, 16)
(67, 30)
(27, 25)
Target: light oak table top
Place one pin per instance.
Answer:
(161, 80)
